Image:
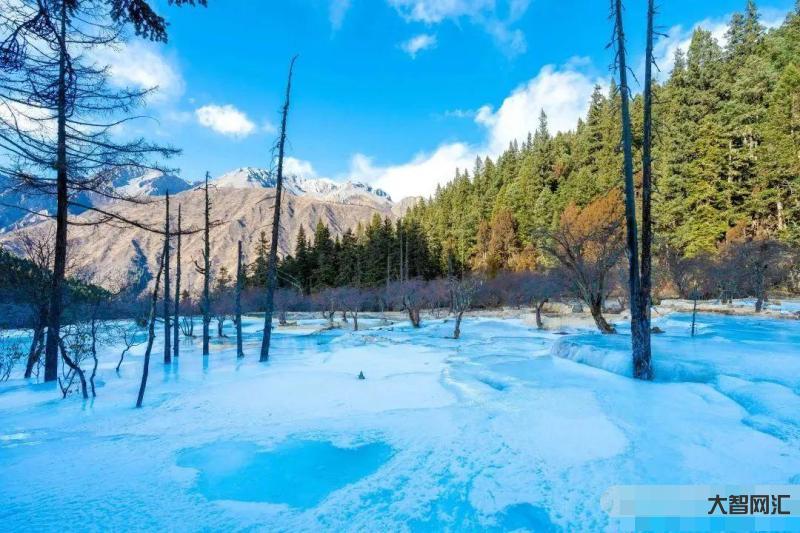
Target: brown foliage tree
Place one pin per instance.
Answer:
(588, 243)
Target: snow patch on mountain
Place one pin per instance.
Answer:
(322, 188)
(148, 183)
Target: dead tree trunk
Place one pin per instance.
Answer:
(151, 333)
(644, 367)
(640, 366)
(539, 306)
(62, 198)
(238, 310)
(272, 267)
(167, 294)
(36, 345)
(206, 304)
(457, 329)
(177, 302)
(94, 356)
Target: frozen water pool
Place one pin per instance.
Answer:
(298, 473)
(508, 428)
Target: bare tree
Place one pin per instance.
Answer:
(642, 359)
(412, 297)
(756, 265)
(205, 268)
(639, 329)
(11, 351)
(167, 293)
(151, 332)
(540, 287)
(59, 113)
(272, 267)
(463, 292)
(36, 245)
(177, 303)
(238, 306)
(327, 302)
(286, 300)
(353, 300)
(190, 309)
(130, 335)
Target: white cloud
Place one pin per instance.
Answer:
(141, 65)
(225, 119)
(563, 93)
(30, 120)
(495, 17)
(268, 127)
(298, 167)
(337, 10)
(679, 37)
(435, 11)
(416, 44)
(420, 176)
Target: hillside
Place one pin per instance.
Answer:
(106, 252)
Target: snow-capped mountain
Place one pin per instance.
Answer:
(149, 183)
(320, 188)
(102, 252)
(20, 207)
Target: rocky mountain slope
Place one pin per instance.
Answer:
(242, 209)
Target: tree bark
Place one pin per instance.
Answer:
(640, 365)
(413, 315)
(539, 306)
(75, 368)
(62, 198)
(645, 363)
(206, 272)
(238, 311)
(151, 333)
(596, 309)
(36, 349)
(457, 329)
(272, 267)
(94, 356)
(167, 294)
(177, 303)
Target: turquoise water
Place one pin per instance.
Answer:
(298, 473)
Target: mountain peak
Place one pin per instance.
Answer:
(322, 188)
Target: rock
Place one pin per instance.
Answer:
(361, 375)
(656, 330)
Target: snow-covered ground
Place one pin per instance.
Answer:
(506, 428)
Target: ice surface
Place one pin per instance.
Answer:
(507, 428)
(298, 473)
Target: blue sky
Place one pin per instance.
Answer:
(394, 92)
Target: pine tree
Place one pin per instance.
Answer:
(258, 269)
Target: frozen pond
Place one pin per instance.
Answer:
(299, 473)
(507, 428)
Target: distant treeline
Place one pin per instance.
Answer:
(374, 254)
